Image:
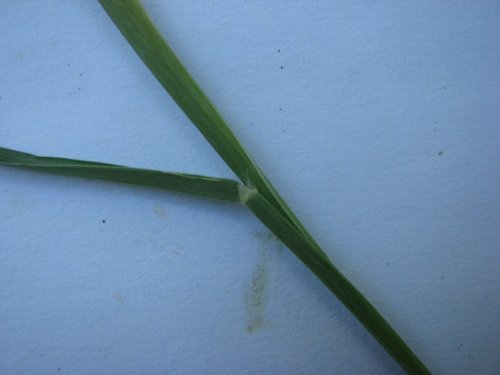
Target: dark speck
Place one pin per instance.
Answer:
(440, 153)
(281, 109)
(103, 221)
(445, 87)
(279, 51)
(281, 67)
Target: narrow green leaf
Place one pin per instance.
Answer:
(215, 188)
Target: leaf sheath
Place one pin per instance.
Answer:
(364, 311)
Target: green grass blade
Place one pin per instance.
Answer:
(208, 187)
(364, 311)
(137, 27)
(258, 193)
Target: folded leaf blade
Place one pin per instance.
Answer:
(208, 187)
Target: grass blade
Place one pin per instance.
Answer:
(258, 194)
(208, 187)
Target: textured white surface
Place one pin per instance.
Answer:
(377, 120)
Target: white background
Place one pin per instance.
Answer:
(378, 121)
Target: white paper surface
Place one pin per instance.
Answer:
(378, 121)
